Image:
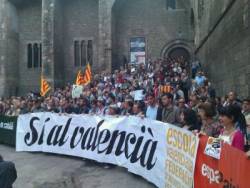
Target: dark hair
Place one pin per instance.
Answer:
(208, 108)
(190, 118)
(230, 111)
(140, 105)
(168, 95)
(234, 112)
(151, 95)
(247, 100)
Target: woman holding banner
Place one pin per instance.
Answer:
(231, 134)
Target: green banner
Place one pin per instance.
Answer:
(8, 130)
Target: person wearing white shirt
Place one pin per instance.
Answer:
(152, 108)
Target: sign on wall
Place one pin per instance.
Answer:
(138, 50)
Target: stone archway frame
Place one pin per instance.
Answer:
(178, 44)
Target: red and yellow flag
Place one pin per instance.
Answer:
(86, 78)
(45, 87)
(88, 75)
(165, 89)
(80, 78)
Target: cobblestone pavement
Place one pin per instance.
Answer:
(38, 170)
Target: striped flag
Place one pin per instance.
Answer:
(80, 78)
(165, 89)
(45, 87)
(88, 75)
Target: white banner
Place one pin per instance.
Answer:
(140, 145)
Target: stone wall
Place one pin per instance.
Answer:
(80, 21)
(222, 39)
(153, 21)
(59, 70)
(29, 16)
(8, 49)
(57, 23)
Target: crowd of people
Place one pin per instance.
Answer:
(171, 90)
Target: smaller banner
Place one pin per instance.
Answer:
(8, 130)
(138, 95)
(180, 159)
(230, 171)
(213, 147)
(77, 91)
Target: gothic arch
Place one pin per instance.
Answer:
(177, 45)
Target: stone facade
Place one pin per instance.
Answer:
(57, 24)
(222, 40)
(159, 26)
(218, 32)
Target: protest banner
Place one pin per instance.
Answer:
(180, 159)
(8, 130)
(138, 95)
(77, 91)
(230, 171)
(140, 145)
(213, 147)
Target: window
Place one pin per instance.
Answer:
(83, 52)
(192, 19)
(200, 8)
(30, 55)
(34, 55)
(40, 54)
(77, 54)
(171, 4)
(90, 52)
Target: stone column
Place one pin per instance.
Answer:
(48, 61)
(105, 35)
(3, 43)
(8, 50)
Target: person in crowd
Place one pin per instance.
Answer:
(200, 79)
(83, 106)
(8, 174)
(101, 109)
(169, 112)
(194, 102)
(178, 93)
(181, 104)
(231, 99)
(152, 108)
(246, 107)
(93, 107)
(210, 126)
(138, 109)
(127, 106)
(113, 110)
(37, 107)
(23, 107)
(247, 144)
(189, 120)
(230, 134)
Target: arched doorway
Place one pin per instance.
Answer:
(178, 52)
(176, 49)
